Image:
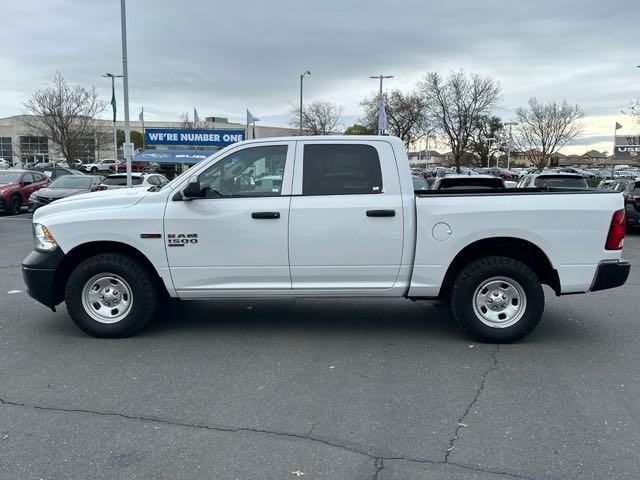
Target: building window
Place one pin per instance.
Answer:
(6, 150)
(34, 149)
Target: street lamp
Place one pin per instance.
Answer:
(489, 139)
(381, 78)
(509, 142)
(127, 149)
(113, 104)
(301, 85)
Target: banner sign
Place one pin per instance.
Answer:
(632, 151)
(627, 140)
(189, 157)
(192, 136)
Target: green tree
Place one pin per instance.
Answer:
(357, 129)
(486, 126)
(136, 138)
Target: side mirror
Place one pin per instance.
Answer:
(192, 190)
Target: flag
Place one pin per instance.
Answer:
(250, 118)
(618, 126)
(113, 103)
(196, 120)
(141, 116)
(382, 117)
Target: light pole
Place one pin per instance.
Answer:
(381, 78)
(307, 72)
(127, 147)
(489, 139)
(113, 104)
(509, 142)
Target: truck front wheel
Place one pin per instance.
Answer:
(111, 295)
(497, 299)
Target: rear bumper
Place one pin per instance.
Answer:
(611, 275)
(39, 274)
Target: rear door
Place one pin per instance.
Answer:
(346, 221)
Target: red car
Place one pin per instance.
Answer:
(136, 166)
(16, 186)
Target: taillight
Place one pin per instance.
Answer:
(615, 238)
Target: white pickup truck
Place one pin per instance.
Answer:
(322, 217)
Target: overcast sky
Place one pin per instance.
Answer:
(224, 57)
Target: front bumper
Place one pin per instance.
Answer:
(39, 274)
(611, 275)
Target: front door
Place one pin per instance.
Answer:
(346, 218)
(234, 239)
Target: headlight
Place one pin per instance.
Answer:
(42, 238)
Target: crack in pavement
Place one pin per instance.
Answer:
(347, 446)
(460, 425)
(379, 466)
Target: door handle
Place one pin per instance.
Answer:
(381, 213)
(265, 215)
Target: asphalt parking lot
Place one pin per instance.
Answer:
(318, 390)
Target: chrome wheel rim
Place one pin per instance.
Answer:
(107, 298)
(499, 302)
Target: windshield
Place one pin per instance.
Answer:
(470, 182)
(560, 181)
(419, 183)
(8, 178)
(72, 181)
(121, 180)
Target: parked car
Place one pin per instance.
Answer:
(136, 166)
(631, 191)
(468, 182)
(605, 184)
(419, 183)
(63, 187)
(16, 186)
(138, 179)
(101, 166)
(347, 224)
(4, 164)
(55, 172)
(503, 173)
(554, 180)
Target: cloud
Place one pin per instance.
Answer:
(225, 57)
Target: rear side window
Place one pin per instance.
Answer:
(341, 170)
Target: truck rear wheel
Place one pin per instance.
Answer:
(497, 299)
(111, 295)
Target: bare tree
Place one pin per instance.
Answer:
(186, 122)
(455, 103)
(406, 115)
(66, 114)
(486, 126)
(544, 128)
(318, 118)
(634, 111)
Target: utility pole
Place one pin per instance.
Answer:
(489, 140)
(509, 143)
(127, 147)
(381, 78)
(113, 104)
(307, 72)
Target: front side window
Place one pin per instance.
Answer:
(251, 172)
(341, 170)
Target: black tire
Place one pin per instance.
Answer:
(94, 170)
(467, 286)
(15, 205)
(143, 288)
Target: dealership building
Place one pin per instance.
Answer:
(163, 140)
